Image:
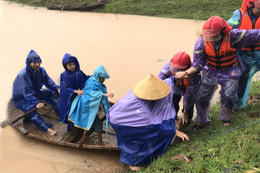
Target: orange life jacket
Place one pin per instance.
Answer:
(224, 58)
(246, 23)
(182, 84)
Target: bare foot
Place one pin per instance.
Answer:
(226, 124)
(134, 168)
(51, 132)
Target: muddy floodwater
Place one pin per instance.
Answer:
(130, 47)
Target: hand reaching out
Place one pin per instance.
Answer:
(79, 92)
(109, 95)
(181, 75)
(182, 135)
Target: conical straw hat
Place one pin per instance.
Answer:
(151, 88)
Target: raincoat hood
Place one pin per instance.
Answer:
(100, 71)
(32, 57)
(69, 58)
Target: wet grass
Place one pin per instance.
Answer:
(216, 148)
(185, 9)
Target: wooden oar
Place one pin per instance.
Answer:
(11, 121)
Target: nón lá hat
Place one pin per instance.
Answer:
(151, 88)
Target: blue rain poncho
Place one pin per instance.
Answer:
(84, 108)
(70, 81)
(144, 128)
(27, 90)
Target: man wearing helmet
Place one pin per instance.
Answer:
(247, 18)
(183, 87)
(215, 53)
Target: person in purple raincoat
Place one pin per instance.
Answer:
(72, 82)
(28, 92)
(215, 53)
(144, 121)
(183, 87)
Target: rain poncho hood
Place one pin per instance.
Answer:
(69, 58)
(84, 108)
(32, 57)
(70, 81)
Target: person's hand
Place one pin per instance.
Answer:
(181, 75)
(79, 92)
(111, 95)
(58, 90)
(182, 135)
(184, 117)
(40, 105)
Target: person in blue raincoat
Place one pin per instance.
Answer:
(144, 121)
(72, 82)
(28, 92)
(84, 108)
(247, 18)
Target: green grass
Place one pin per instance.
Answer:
(186, 9)
(216, 148)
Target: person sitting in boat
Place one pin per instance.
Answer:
(84, 108)
(187, 87)
(28, 92)
(144, 121)
(72, 82)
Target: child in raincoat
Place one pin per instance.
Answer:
(72, 82)
(84, 108)
(28, 92)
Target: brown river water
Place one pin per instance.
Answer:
(130, 47)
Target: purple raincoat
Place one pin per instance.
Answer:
(189, 96)
(228, 79)
(144, 129)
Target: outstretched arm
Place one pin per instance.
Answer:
(185, 74)
(109, 95)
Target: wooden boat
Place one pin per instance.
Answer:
(76, 7)
(63, 138)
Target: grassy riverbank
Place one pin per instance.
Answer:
(216, 148)
(185, 9)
